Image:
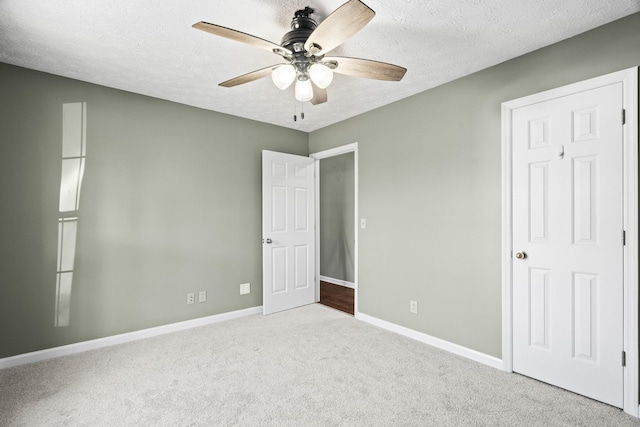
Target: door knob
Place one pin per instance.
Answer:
(521, 255)
(269, 241)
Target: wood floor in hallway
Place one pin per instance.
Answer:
(336, 296)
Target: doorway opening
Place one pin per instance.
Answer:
(336, 230)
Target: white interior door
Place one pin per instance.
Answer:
(568, 242)
(288, 231)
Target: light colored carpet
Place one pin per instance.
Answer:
(312, 366)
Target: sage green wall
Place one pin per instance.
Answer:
(171, 203)
(337, 205)
(430, 189)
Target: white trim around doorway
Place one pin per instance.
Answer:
(629, 80)
(344, 149)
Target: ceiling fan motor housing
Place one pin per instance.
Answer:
(301, 28)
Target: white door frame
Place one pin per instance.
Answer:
(344, 149)
(629, 80)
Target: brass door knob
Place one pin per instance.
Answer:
(521, 255)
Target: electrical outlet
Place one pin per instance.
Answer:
(413, 307)
(202, 296)
(191, 298)
(245, 288)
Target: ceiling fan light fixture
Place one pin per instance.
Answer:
(304, 91)
(303, 50)
(321, 75)
(283, 76)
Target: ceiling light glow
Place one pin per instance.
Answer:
(321, 75)
(283, 76)
(304, 91)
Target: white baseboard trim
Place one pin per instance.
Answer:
(338, 282)
(459, 350)
(65, 350)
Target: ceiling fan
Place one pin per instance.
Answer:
(303, 52)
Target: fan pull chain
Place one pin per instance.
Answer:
(295, 111)
(295, 117)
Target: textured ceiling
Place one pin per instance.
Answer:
(149, 47)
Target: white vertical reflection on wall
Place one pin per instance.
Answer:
(74, 147)
(72, 172)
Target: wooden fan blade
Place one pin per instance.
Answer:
(240, 37)
(319, 95)
(343, 23)
(249, 77)
(366, 68)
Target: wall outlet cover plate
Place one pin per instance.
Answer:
(245, 288)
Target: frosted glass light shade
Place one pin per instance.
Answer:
(304, 91)
(283, 76)
(321, 75)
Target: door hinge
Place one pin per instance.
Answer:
(624, 237)
(624, 358)
(624, 117)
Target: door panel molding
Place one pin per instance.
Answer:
(629, 80)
